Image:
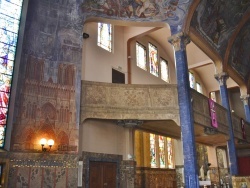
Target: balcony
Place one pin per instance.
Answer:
(155, 108)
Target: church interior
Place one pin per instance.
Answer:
(124, 93)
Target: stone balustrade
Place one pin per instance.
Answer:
(150, 102)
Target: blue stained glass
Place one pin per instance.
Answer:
(16, 2)
(8, 37)
(6, 66)
(10, 11)
(7, 52)
(7, 22)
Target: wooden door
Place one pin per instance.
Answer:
(102, 174)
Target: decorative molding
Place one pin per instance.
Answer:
(129, 123)
(221, 78)
(245, 99)
(177, 39)
(129, 102)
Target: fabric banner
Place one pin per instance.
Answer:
(213, 113)
(242, 123)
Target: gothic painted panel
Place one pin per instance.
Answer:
(48, 102)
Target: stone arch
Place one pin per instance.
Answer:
(63, 138)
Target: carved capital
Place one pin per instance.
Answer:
(221, 78)
(244, 99)
(179, 41)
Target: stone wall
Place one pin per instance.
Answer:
(39, 170)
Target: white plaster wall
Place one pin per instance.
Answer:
(97, 62)
(178, 152)
(211, 152)
(103, 137)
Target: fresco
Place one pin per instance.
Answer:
(170, 11)
(216, 20)
(239, 55)
(47, 94)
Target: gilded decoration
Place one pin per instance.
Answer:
(154, 177)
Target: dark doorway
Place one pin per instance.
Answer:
(102, 174)
(118, 77)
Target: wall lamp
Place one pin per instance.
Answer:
(43, 142)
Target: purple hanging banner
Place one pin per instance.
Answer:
(242, 123)
(213, 113)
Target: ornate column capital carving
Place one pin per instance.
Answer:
(221, 78)
(244, 99)
(177, 39)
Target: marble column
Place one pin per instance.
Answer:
(222, 78)
(179, 42)
(245, 100)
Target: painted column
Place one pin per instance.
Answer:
(245, 100)
(179, 42)
(222, 78)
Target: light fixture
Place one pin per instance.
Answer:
(43, 142)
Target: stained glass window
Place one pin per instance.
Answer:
(10, 11)
(105, 36)
(153, 59)
(170, 153)
(141, 56)
(152, 150)
(198, 87)
(164, 70)
(162, 152)
(191, 80)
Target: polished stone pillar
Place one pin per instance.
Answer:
(222, 78)
(179, 42)
(245, 100)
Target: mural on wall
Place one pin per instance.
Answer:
(49, 77)
(239, 57)
(170, 11)
(214, 21)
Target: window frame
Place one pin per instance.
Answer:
(168, 73)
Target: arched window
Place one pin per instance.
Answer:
(141, 56)
(164, 70)
(105, 38)
(161, 152)
(153, 59)
(191, 80)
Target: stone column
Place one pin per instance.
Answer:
(222, 78)
(245, 100)
(179, 42)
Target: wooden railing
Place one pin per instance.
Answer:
(238, 132)
(202, 113)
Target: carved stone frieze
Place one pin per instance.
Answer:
(119, 101)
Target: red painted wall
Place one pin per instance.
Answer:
(244, 166)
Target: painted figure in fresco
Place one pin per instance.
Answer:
(146, 7)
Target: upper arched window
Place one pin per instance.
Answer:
(105, 36)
